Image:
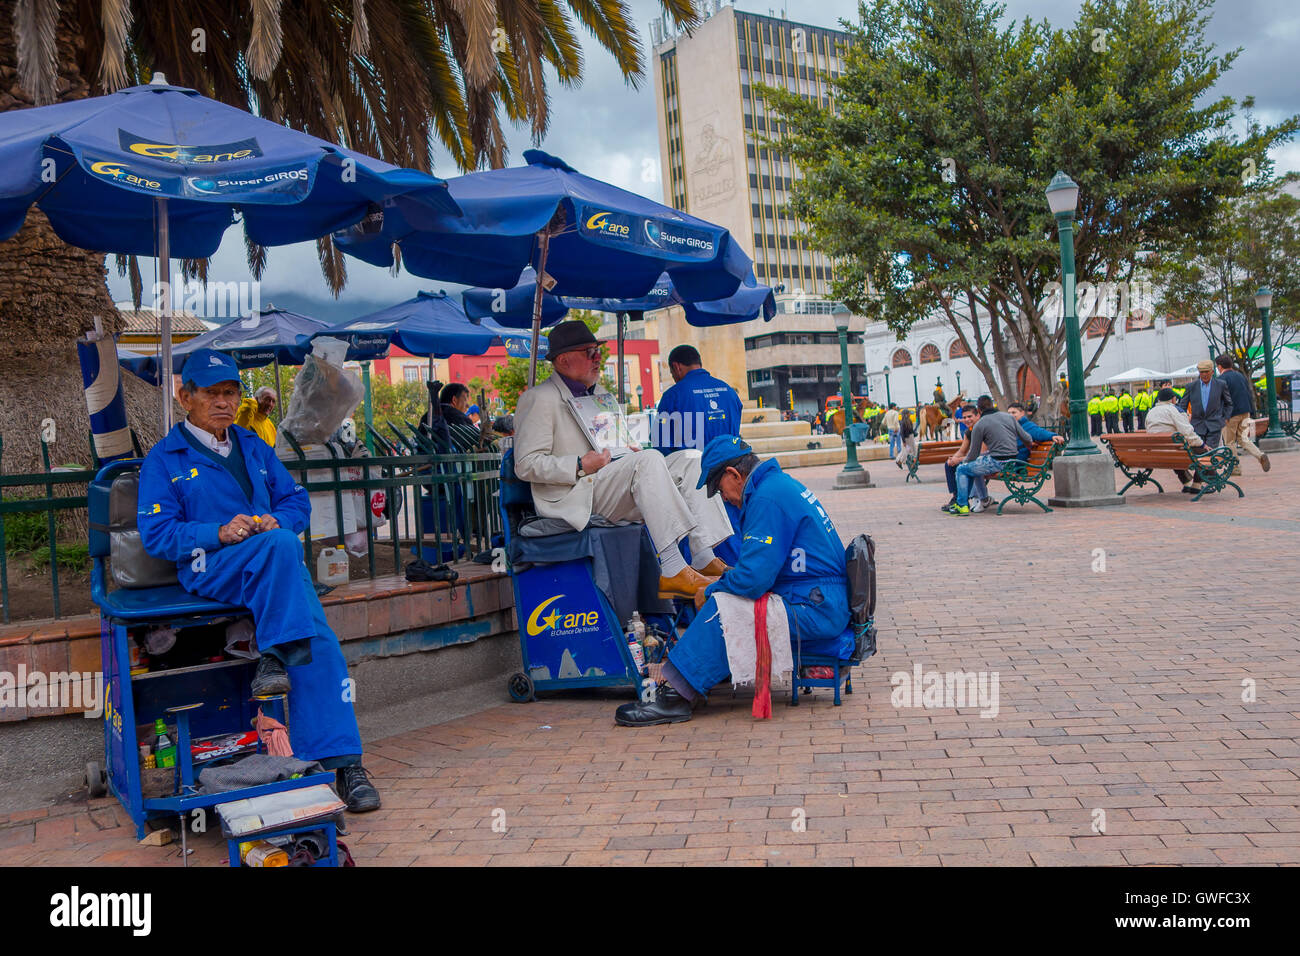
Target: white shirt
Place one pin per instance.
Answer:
(210, 441)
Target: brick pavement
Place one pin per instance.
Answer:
(1120, 693)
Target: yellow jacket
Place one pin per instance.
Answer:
(1109, 404)
(249, 417)
(1094, 405)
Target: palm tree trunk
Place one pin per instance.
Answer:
(50, 293)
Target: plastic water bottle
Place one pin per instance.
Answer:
(637, 626)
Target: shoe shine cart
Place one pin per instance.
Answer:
(199, 700)
(570, 634)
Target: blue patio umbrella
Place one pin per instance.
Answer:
(513, 308)
(159, 170)
(431, 324)
(265, 336)
(589, 237)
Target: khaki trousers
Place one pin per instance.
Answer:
(1240, 431)
(660, 492)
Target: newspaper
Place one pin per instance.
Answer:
(601, 418)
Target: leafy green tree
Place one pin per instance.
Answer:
(924, 178)
(1212, 280)
(396, 401)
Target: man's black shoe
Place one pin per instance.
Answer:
(668, 707)
(356, 790)
(951, 501)
(270, 680)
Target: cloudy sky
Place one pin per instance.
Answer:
(607, 129)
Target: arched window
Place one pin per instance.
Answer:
(929, 353)
(1099, 326)
(957, 350)
(1138, 320)
(1171, 320)
(902, 358)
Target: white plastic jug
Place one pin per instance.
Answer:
(332, 566)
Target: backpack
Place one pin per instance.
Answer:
(860, 560)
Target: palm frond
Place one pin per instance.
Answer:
(360, 44)
(267, 41)
(115, 18)
(256, 256)
(35, 23)
(332, 264)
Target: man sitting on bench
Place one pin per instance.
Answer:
(789, 547)
(216, 500)
(970, 414)
(997, 432)
(1166, 418)
(572, 481)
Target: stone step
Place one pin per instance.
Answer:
(773, 429)
(793, 443)
(753, 414)
(825, 456)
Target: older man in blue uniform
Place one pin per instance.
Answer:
(216, 500)
(789, 547)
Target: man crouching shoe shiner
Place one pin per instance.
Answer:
(216, 500)
(791, 571)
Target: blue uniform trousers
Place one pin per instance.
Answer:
(266, 575)
(700, 656)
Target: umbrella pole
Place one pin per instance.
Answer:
(165, 327)
(370, 410)
(620, 318)
(538, 292)
(279, 399)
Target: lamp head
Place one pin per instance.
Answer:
(1062, 195)
(841, 316)
(1264, 297)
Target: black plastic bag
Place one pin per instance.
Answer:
(860, 559)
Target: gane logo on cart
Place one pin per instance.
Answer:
(75, 909)
(560, 622)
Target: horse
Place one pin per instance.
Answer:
(835, 420)
(933, 418)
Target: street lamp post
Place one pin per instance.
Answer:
(853, 475)
(1081, 476)
(640, 405)
(959, 383)
(1264, 301)
(888, 399)
(1062, 197)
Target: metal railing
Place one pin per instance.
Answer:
(444, 506)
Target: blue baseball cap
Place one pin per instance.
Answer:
(472, 410)
(719, 453)
(207, 367)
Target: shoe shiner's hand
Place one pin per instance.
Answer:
(700, 598)
(236, 530)
(593, 461)
(1058, 440)
(264, 523)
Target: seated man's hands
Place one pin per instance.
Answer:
(593, 461)
(237, 529)
(955, 460)
(268, 523)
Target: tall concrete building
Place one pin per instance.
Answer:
(711, 121)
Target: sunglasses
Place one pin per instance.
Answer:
(592, 353)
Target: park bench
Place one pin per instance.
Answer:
(1024, 479)
(1139, 454)
(929, 453)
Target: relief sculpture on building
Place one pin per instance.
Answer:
(712, 165)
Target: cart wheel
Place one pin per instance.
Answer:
(96, 781)
(520, 687)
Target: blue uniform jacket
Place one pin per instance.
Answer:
(1036, 432)
(697, 392)
(185, 497)
(789, 547)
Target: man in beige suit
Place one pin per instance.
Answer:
(572, 481)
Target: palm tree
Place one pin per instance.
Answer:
(380, 76)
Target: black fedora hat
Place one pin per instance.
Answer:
(567, 337)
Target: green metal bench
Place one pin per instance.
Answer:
(1139, 454)
(1024, 479)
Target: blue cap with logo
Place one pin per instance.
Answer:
(719, 453)
(207, 367)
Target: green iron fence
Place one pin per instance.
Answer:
(442, 506)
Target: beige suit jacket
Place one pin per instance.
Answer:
(548, 443)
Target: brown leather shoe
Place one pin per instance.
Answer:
(1265, 463)
(715, 568)
(684, 584)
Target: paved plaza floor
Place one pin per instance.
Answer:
(1148, 706)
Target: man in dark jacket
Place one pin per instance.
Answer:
(1238, 431)
(1208, 404)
